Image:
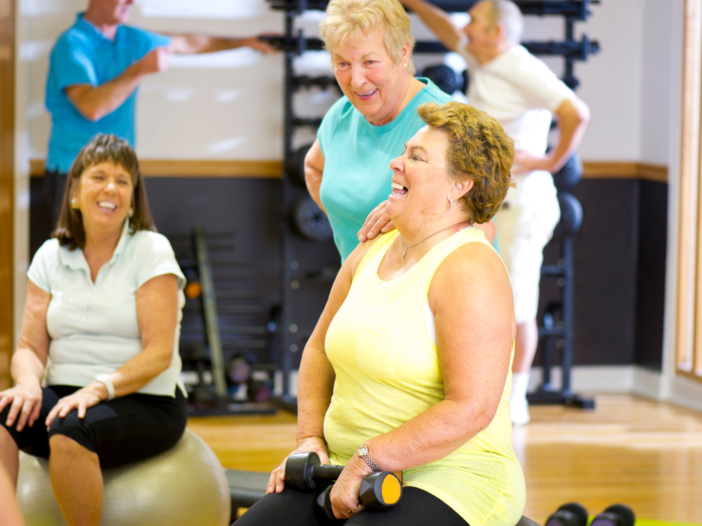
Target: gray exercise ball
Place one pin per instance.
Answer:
(185, 486)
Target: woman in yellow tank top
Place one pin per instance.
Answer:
(408, 368)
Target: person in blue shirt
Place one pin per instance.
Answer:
(95, 69)
(347, 169)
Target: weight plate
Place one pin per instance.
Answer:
(309, 221)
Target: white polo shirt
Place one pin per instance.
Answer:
(94, 326)
(518, 90)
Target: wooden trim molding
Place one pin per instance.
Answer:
(689, 290)
(194, 168)
(274, 169)
(7, 187)
(625, 170)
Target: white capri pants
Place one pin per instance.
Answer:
(525, 224)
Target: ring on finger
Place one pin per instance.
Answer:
(351, 512)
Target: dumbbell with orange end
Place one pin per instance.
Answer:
(194, 288)
(379, 491)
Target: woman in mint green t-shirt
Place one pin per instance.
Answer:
(347, 167)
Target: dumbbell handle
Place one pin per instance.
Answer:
(326, 471)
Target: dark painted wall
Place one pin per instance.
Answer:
(650, 299)
(619, 256)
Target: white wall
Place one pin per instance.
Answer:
(221, 106)
(229, 105)
(657, 47)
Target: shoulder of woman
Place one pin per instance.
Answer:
(360, 252)
(470, 266)
(48, 250)
(149, 241)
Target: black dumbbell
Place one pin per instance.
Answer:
(615, 515)
(445, 78)
(309, 221)
(570, 173)
(303, 469)
(259, 391)
(571, 514)
(379, 491)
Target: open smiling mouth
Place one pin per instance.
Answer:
(368, 95)
(106, 205)
(398, 190)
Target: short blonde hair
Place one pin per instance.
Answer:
(348, 20)
(479, 150)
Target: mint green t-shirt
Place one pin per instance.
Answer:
(357, 159)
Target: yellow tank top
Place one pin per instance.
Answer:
(387, 372)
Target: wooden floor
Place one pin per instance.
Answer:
(632, 450)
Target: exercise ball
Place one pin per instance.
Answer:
(185, 486)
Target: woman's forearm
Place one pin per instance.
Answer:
(141, 369)
(428, 437)
(26, 366)
(315, 384)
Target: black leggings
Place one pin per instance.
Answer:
(124, 430)
(297, 508)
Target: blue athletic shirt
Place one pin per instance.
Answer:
(83, 55)
(357, 159)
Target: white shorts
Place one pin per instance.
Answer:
(524, 225)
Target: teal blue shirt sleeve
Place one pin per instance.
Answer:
(72, 64)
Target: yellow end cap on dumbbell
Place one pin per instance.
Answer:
(391, 490)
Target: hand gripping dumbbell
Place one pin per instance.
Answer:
(571, 514)
(379, 491)
(615, 515)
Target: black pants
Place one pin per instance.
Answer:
(54, 190)
(124, 430)
(297, 508)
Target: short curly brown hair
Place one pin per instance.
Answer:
(479, 150)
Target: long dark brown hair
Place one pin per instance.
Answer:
(102, 148)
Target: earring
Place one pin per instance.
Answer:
(131, 212)
(74, 203)
(450, 200)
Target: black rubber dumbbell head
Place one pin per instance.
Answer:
(379, 491)
(571, 514)
(615, 515)
(302, 469)
(445, 78)
(309, 221)
(570, 174)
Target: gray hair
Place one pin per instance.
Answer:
(506, 14)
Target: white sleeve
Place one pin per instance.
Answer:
(156, 258)
(43, 265)
(540, 86)
(470, 59)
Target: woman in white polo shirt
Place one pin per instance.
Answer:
(100, 332)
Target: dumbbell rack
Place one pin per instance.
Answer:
(205, 342)
(293, 44)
